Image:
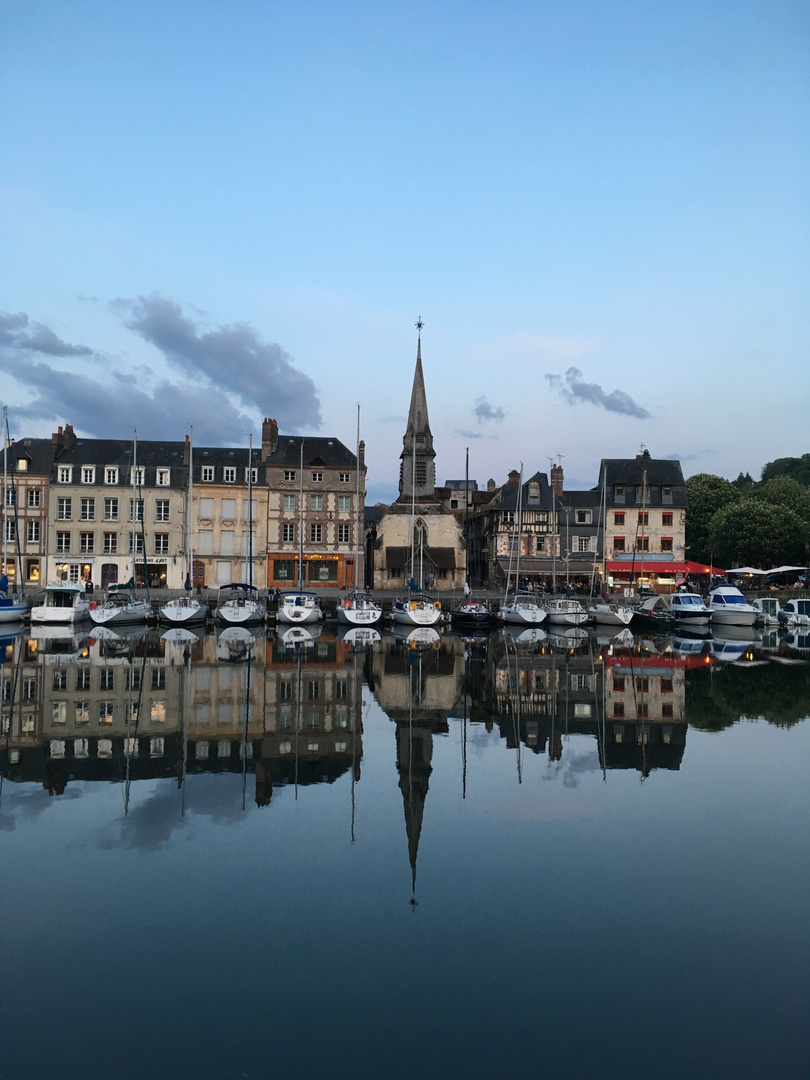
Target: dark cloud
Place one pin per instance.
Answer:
(17, 332)
(573, 389)
(483, 411)
(231, 358)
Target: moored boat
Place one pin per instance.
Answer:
(471, 614)
(65, 602)
(358, 609)
(795, 613)
(239, 605)
(416, 610)
(566, 612)
(121, 607)
(296, 607)
(689, 609)
(524, 609)
(730, 608)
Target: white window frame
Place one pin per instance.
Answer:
(161, 543)
(288, 532)
(229, 474)
(64, 508)
(64, 474)
(344, 478)
(345, 503)
(207, 474)
(289, 475)
(316, 502)
(113, 508)
(110, 543)
(87, 508)
(34, 500)
(316, 533)
(88, 474)
(164, 478)
(162, 510)
(344, 534)
(32, 532)
(137, 476)
(251, 479)
(317, 477)
(110, 474)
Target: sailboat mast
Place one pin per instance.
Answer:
(134, 534)
(5, 490)
(189, 511)
(520, 530)
(359, 582)
(301, 524)
(250, 511)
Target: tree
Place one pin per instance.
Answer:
(786, 492)
(705, 495)
(754, 532)
(797, 467)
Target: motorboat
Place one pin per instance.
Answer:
(65, 602)
(689, 609)
(184, 611)
(471, 614)
(767, 609)
(120, 607)
(298, 607)
(730, 608)
(239, 605)
(417, 610)
(358, 609)
(795, 613)
(619, 615)
(566, 612)
(730, 642)
(523, 609)
(653, 614)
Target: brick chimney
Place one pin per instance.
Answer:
(491, 485)
(187, 450)
(64, 438)
(362, 456)
(557, 479)
(269, 438)
(514, 478)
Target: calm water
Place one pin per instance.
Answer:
(503, 858)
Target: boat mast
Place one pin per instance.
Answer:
(189, 511)
(5, 490)
(134, 533)
(250, 511)
(301, 530)
(519, 530)
(357, 579)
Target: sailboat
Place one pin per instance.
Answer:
(470, 614)
(185, 610)
(297, 606)
(608, 613)
(522, 609)
(358, 609)
(120, 603)
(10, 610)
(241, 604)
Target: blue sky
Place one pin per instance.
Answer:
(212, 213)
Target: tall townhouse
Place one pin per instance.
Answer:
(223, 517)
(313, 505)
(29, 472)
(646, 519)
(117, 510)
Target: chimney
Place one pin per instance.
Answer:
(490, 485)
(58, 438)
(362, 458)
(70, 437)
(269, 438)
(557, 479)
(514, 478)
(187, 451)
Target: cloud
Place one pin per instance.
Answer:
(484, 411)
(573, 389)
(16, 332)
(231, 358)
(469, 434)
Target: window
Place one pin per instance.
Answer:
(11, 530)
(105, 712)
(136, 475)
(207, 509)
(344, 502)
(666, 543)
(540, 544)
(666, 686)
(618, 519)
(288, 534)
(83, 678)
(59, 712)
(161, 543)
(29, 689)
(289, 474)
(341, 689)
(22, 464)
(345, 477)
(583, 543)
(157, 712)
(584, 517)
(316, 502)
(618, 543)
(226, 542)
(643, 543)
(136, 509)
(643, 517)
(111, 474)
(229, 509)
(534, 492)
(59, 679)
(618, 684)
(110, 543)
(344, 534)
(163, 477)
(111, 509)
(205, 542)
(88, 474)
(161, 510)
(508, 517)
(666, 519)
(34, 498)
(158, 678)
(314, 691)
(86, 543)
(454, 504)
(317, 478)
(32, 532)
(88, 509)
(289, 502)
(618, 710)
(32, 569)
(618, 491)
(64, 474)
(82, 719)
(250, 509)
(223, 573)
(62, 543)
(63, 509)
(666, 493)
(10, 497)
(229, 474)
(133, 678)
(208, 474)
(251, 476)
(315, 532)
(284, 569)
(135, 544)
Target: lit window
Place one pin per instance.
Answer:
(22, 465)
(105, 712)
(157, 712)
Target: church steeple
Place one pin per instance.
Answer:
(417, 455)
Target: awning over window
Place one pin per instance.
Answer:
(546, 566)
(442, 558)
(649, 567)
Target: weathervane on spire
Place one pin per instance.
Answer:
(419, 324)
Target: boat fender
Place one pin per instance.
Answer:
(92, 605)
(437, 606)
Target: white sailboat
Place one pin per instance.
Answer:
(187, 610)
(522, 609)
(358, 608)
(608, 613)
(241, 605)
(120, 605)
(10, 610)
(298, 607)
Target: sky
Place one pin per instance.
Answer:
(211, 213)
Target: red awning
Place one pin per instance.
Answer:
(702, 568)
(649, 567)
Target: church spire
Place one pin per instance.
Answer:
(417, 445)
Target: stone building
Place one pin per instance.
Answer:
(417, 539)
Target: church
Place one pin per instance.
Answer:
(419, 538)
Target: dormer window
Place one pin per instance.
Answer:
(666, 494)
(229, 474)
(136, 476)
(618, 493)
(208, 474)
(251, 476)
(64, 474)
(534, 492)
(88, 474)
(22, 464)
(584, 517)
(163, 477)
(111, 474)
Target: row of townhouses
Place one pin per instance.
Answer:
(103, 510)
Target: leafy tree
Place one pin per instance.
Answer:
(786, 492)
(757, 533)
(745, 482)
(796, 467)
(705, 495)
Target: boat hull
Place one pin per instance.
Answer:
(415, 613)
(139, 611)
(184, 613)
(605, 615)
(13, 612)
(44, 613)
(349, 615)
(233, 613)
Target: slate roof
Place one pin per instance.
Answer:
(330, 453)
(660, 471)
(39, 453)
(509, 495)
